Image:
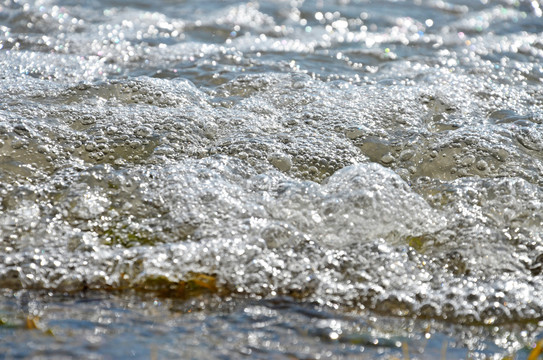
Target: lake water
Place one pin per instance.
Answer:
(275, 180)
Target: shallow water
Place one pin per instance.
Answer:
(310, 179)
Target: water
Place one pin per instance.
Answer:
(281, 179)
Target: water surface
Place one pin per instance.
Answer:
(279, 179)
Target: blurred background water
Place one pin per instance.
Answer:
(275, 179)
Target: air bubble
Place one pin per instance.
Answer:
(468, 160)
(387, 159)
(88, 120)
(43, 149)
(111, 130)
(17, 143)
(134, 144)
(210, 130)
(143, 131)
(354, 133)
(406, 155)
(21, 130)
(90, 146)
(281, 161)
(481, 165)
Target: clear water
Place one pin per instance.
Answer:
(279, 179)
